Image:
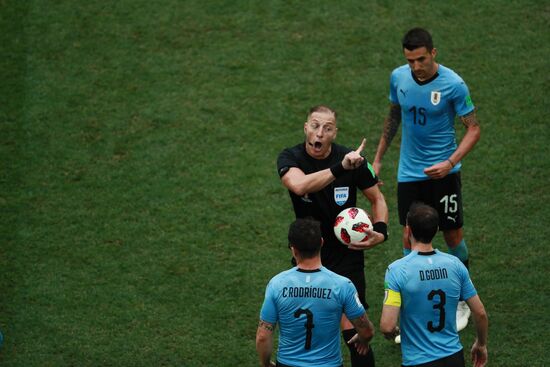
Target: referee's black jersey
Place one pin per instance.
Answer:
(326, 204)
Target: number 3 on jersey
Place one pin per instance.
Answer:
(440, 306)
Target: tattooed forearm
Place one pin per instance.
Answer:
(470, 119)
(391, 123)
(364, 327)
(361, 321)
(265, 325)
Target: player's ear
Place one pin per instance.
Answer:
(322, 241)
(407, 231)
(409, 234)
(292, 250)
(434, 52)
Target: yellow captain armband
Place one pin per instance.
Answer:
(392, 298)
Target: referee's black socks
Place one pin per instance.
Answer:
(357, 360)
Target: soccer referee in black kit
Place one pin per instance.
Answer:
(322, 179)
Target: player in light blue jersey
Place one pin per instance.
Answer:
(426, 97)
(308, 302)
(428, 111)
(422, 290)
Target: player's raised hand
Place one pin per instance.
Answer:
(353, 159)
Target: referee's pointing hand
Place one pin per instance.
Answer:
(353, 159)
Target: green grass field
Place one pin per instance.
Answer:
(141, 211)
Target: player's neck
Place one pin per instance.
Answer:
(432, 73)
(422, 247)
(309, 264)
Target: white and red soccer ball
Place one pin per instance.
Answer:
(351, 224)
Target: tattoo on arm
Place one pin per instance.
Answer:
(361, 322)
(266, 325)
(364, 328)
(470, 119)
(392, 123)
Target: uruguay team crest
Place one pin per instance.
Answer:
(341, 195)
(436, 98)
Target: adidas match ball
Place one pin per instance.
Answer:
(351, 224)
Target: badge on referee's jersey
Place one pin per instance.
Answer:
(341, 195)
(436, 97)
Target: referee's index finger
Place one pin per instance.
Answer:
(361, 147)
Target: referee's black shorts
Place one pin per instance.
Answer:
(444, 195)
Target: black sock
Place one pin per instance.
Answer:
(358, 360)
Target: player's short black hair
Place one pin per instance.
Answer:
(304, 234)
(423, 221)
(416, 38)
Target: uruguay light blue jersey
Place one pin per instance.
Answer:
(308, 306)
(430, 285)
(428, 110)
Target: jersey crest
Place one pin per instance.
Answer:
(436, 98)
(341, 195)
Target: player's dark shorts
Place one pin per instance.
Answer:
(454, 360)
(445, 195)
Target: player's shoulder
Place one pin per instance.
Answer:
(402, 262)
(449, 259)
(278, 278)
(398, 271)
(446, 256)
(450, 75)
(296, 150)
(330, 274)
(405, 68)
(336, 278)
(290, 157)
(401, 71)
(409, 261)
(396, 264)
